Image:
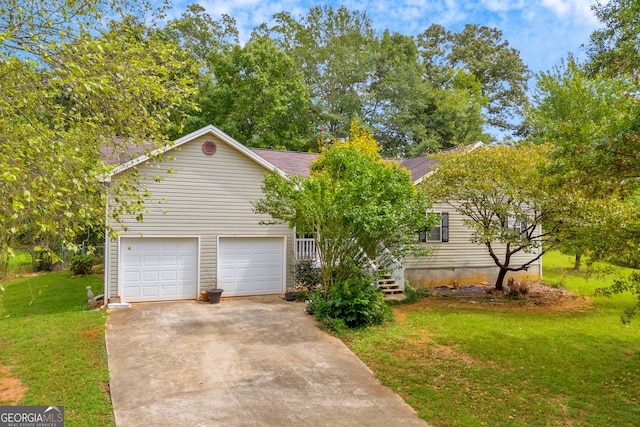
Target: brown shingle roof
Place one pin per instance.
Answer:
(291, 162)
(422, 165)
(118, 153)
(418, 166)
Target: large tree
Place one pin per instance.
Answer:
(481, 52)
(503, 197)
(614, 48)
(74, 77)
(592, 123)
(590, 114)
(336, 51)
(357, 206)
(256, 95)
(354, 72)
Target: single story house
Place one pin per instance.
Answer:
(200, 229)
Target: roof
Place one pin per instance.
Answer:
(418, 166)
(119, 152)
(422, 166)
(293, 163)
(285, 162)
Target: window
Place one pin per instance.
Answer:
(439, 233)
(518, 226)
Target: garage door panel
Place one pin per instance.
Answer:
(158, 269)
(150, 276)
(251, 265)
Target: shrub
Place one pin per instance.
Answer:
(81, 264)
(317, 305)
(301, 295)
(411, 294)
(357, 303)
(354, 303)
(307, 274)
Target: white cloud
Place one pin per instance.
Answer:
(577, 9)
(542, 30)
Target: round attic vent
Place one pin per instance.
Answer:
(209, 148)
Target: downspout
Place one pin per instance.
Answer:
(106, 245)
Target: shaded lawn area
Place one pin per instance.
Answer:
(55, 346)
(462, 363)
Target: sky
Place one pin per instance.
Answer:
(543, 31)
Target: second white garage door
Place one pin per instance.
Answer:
(251, 265)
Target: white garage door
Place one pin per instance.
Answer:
(251, 265)
(158, 269)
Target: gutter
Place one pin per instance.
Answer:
(106, 244)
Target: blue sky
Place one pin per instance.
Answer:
(542, 30)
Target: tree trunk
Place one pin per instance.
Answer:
(500, 279)
(577, 265)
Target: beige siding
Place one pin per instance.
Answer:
(459, 259)
(206, 196)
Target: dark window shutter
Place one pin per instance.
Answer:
(422, 237)
(523, 231)
(445, 226)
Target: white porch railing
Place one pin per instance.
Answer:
(306, 249)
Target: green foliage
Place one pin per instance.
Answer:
(336, 49)
(592, 123)
(590, 114)
(614, 49)
(411, 294)
(301, 295)
(503, 198)
(352, 303)
(81, 264)
(472, 364)
(317, 305)
(56, 346)
(357, 303)
(333, 325)
(625, 285)
(357, 206)
(302, 81)
(482, 53)
(307, 274)
(258, 97)
(76, 77)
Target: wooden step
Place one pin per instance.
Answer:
(388, 285)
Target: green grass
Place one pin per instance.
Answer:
(474, 364)
(55, 345)
(20, 263)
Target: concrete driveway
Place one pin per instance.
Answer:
(244, 362)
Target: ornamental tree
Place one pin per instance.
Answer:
(357, 206)
(501, 194)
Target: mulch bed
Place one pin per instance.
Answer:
(536, 295)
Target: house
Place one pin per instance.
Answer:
(200, 229)
(454, 258)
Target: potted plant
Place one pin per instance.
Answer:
(290, 295)
(214, 295)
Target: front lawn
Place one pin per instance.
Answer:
(54, 346)
(471, 363)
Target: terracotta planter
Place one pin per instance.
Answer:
(214, 295)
